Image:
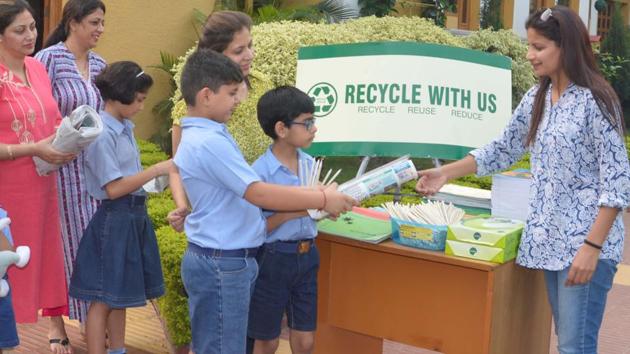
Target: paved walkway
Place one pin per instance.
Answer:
(144, 332)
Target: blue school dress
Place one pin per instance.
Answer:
(118, 261)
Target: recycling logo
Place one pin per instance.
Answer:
(324, 98)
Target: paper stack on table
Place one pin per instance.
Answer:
(510, 194)
(359, 224)
(74, 134)
(464, 196)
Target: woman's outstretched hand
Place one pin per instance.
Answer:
(430, 181)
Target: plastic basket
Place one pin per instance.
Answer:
(424, 236)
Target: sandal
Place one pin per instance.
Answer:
(63, 342)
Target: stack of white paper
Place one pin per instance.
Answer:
(464, 196)
(510, 194)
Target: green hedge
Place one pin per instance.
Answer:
(150, 153)
(174, 304)
(505, 42)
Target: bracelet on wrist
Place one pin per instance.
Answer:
(10, 152)
(592, 244)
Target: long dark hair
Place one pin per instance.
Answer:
(9, 11)
(566, 29)
(73, 10)
(220, 27)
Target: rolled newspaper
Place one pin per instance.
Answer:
(377, 181)
(74, 134)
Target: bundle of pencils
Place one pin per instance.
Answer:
(309, 175)
(431, 212)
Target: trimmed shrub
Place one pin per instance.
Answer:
(277, 43)
(158, 207)
(150, 153)
(505, 42)
(174, 304)
(243, 125)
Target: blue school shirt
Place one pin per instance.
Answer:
(6, 230)
(273, 171)
(215, 177)
(578, 163)
(113, 155)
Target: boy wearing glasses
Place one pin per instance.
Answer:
(288, 260)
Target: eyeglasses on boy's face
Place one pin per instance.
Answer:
(308, 123)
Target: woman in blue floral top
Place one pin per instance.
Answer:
(571, 123)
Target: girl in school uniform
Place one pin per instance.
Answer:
(118, 262)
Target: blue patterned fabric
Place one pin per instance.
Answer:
(579, 163)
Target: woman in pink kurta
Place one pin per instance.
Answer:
(28, 117)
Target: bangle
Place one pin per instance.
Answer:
(324, 194)
(592, 244)
(10, 152)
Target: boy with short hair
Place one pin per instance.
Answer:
(288, 260)
(226, 226)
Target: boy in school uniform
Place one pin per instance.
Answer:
(226, 225)
(288, 260)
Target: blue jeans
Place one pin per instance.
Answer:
(219, 290)
(578, 310)
(8, 330)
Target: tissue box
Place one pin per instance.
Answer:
(485, 238)
(428, 237)
(479, 252)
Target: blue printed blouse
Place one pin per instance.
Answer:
(579, 163)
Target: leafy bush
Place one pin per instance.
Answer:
(174, 304)
(277, 43)
(505, 42)
(243, 125)
(150, 153)
(611, 65)
(158, 207)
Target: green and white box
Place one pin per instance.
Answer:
(483, 253)
(485, 238)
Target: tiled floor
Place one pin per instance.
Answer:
(144, 332)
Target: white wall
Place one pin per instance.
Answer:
(587, 11)
(521, 12)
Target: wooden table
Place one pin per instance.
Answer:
(426, 299)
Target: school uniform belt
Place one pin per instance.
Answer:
(129, 199)
(294, 246)
(214, 252)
